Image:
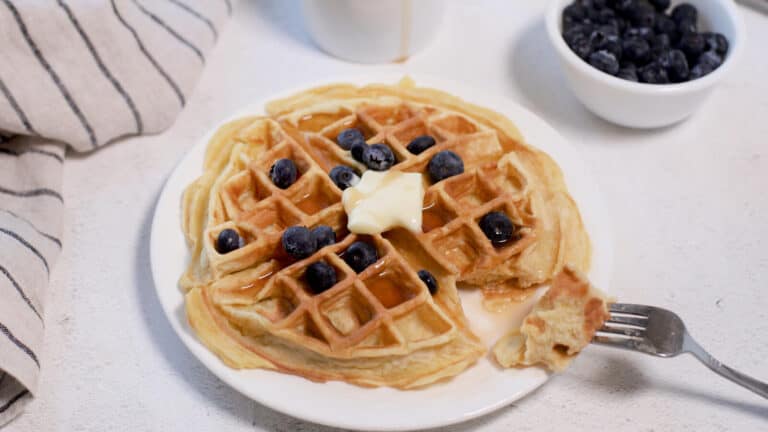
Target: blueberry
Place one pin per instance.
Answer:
(569, 25)
(577, 39)
(357, 151)
(676, 65)
(283, 173)
(575, 30)
(592, 14)
(597, 37)
(378, 157)
(323, 236)
(621, 24)
(584, 27)
(626, 64)
(349, 137)
(643, 15)
(602, 41)
(444, 164)
(297, 242)
(344, 176)
(636, 50)
(685, 27)
(653, 73)
(627, 73)
(611, 27)
(566, 23)
(692, 44)
(320, 276)
(665, 25)
(710, 58)
(497, 227)
(608, 29)
(420, 143)
(574, 12)
(581, 46)
(642, 32)
(228, 240)
(604, 61)
(660, 5)
(659, 44)
(684, 12)
(624, 7)
(429, 281)
(359, 255)
(700, 70)
(607, 16)
(657, 52)
(716, 42)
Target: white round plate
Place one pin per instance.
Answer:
(481, 389)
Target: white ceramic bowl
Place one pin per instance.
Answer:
(640, 105)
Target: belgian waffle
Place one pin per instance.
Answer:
(252, 306)
(502, 172)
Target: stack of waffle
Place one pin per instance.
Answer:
(380, 327)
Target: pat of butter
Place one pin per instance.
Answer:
(384, 200)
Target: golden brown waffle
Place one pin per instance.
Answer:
(252, 306)
(454, 206)
(501, 172)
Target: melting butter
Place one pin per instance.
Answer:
(381, 201)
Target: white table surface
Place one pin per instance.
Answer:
(689, 205)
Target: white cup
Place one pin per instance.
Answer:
(373, 31)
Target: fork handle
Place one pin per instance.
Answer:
(739, 378)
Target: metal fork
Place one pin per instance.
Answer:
(660, 332)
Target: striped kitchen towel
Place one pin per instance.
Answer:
(82, 74)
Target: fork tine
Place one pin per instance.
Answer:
(636, 321)
(625, 331)
(621, 342)
(627, 308)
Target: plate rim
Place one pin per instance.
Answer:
(499, 103)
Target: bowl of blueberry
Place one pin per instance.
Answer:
(644, 63)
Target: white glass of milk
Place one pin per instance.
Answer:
(373, 31)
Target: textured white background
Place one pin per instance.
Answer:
(689, 204)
